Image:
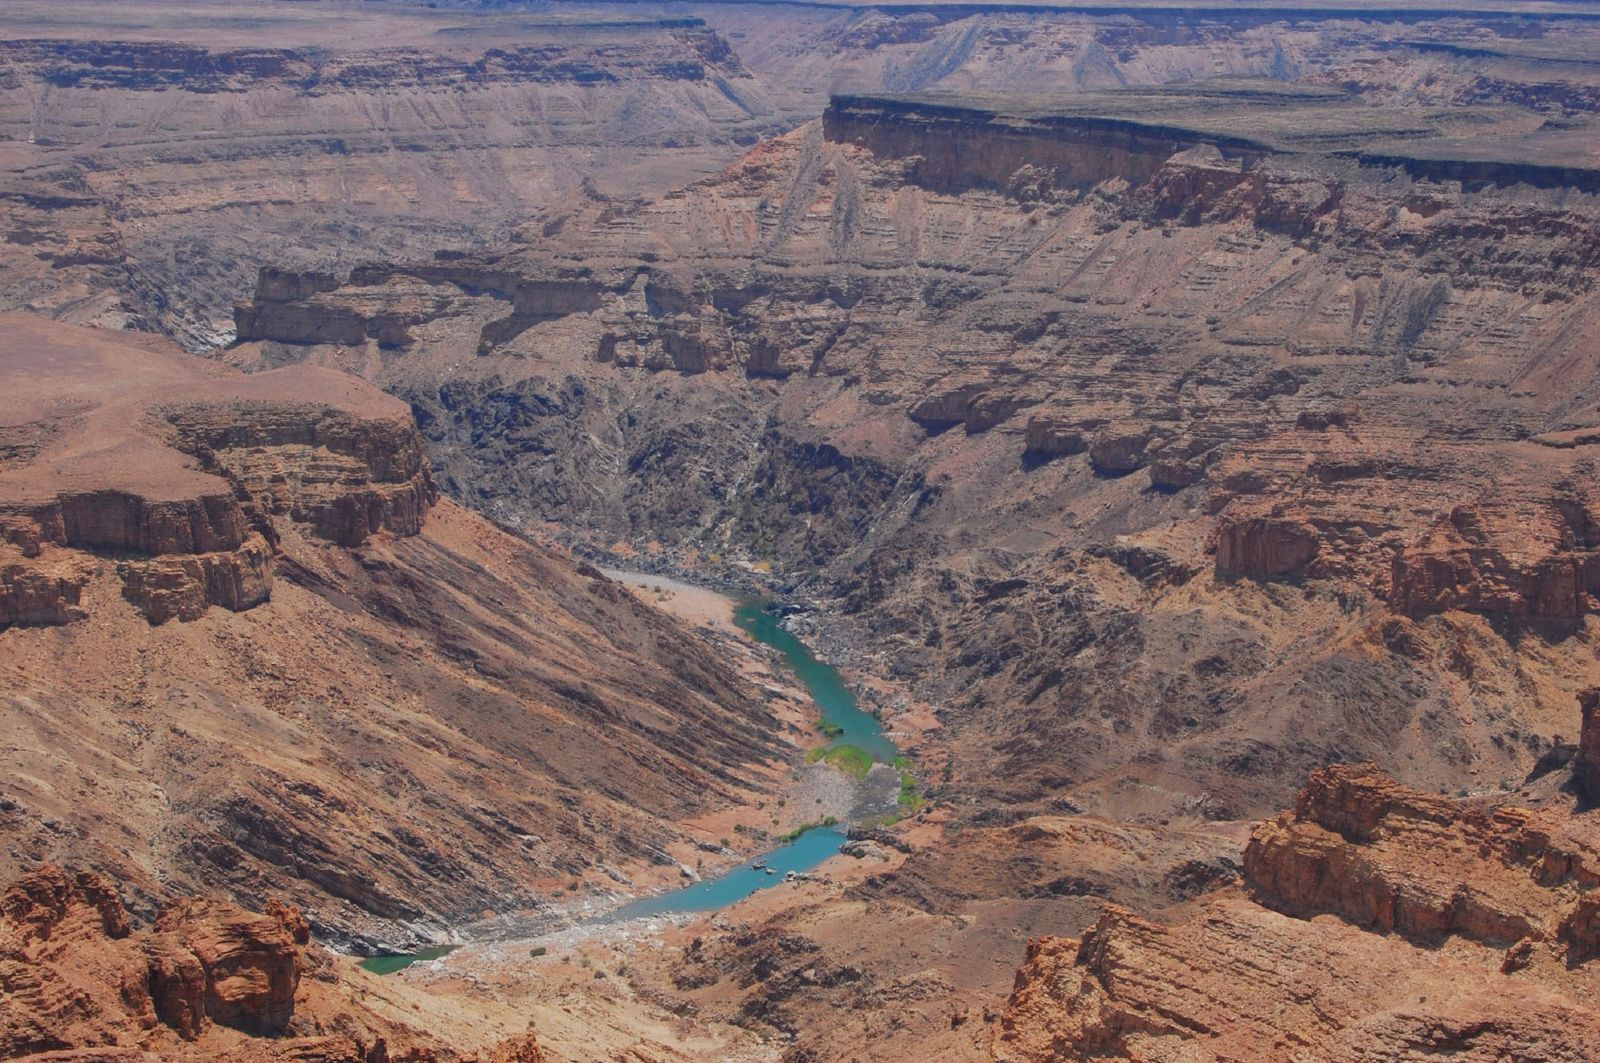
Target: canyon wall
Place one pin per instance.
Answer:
(958, 147)
(151, 162)
(1225, 419)
(251, 654)
(1333, 944)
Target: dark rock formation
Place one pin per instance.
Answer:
(1586, 761)
(1264, 547)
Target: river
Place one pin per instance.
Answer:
(835, 704)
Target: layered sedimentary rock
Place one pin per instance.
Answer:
(79, 975)
(380, 707)
(1331, 949)
(175, 474)
(1231, 421)
(1392, 860)
(207, 981)
(1242, 982)
(150, 158)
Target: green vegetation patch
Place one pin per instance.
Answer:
(852, 760)
(910, 800)
(829, 729)
(794, 835)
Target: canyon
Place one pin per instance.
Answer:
(1178, 425)
(479, 721)
(1042, 445)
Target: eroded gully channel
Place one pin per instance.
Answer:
(849, 727)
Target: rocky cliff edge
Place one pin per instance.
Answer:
(121, 455)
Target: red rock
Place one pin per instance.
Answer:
(1402, 870)
(1055, 435)
(1265, 547)
(291, 919)
(177, 985)
(1119, 448)
(34, 907)
(1393, 859)
(181, 471)
(249, 962)
(1586, 762)
(77, 975)
(39, 593)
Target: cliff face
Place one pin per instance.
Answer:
(1226, 392)
(289, 510)
(154, 158)
(1255, 971)
(206, 981)
(155, 66)
(183, 498)
(404, 129)
(958, 148)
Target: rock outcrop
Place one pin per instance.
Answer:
(1586, 761)
(249, 962)
(1240, 982)
(1265, 547)
(956, 147)
(179, 482)
(78, 975)
(1262, 973)
(1498, 558)
(82, 982)
(1387, 858)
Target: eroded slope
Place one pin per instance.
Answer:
(1171, 455)
(248, 656)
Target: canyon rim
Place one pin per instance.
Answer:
(549, 530)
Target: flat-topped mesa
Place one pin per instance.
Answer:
(179, 471)
(667, 49)
(952, 147)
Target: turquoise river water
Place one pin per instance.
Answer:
(836, 704)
